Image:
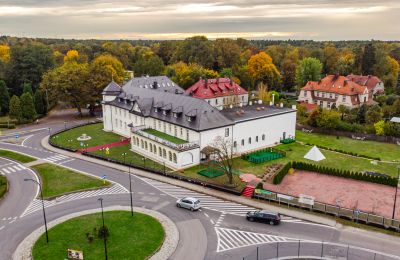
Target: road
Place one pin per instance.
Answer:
(220, 229)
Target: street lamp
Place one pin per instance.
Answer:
(144, 162)
(44, 212)
(124, 154)
(395, 196)
(104, 235)
(65, 125)
(49, 131)
(130, 187)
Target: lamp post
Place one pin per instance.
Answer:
(144, 162)
(124, 154)
(49, 131)
(130, 188)
(65, 125)
(44, 212)
(104, 236)
(395, 196)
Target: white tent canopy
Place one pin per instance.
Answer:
(314, 155)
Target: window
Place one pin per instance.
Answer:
(242, 142)
(155, 109)
(151, 148)
(169, 128)
(305, 93)
(181, 131)
(125, 126)
(257, 138)
(120, 123)
(164, 153)
(323, 94)
(330, 95)
(263, 137)
(343, 98)
(216, 101)
(226, 132)
(170, 156)
(145, 145)
(249, 140)
(187, 135)
(165, 126)
(208, 101)
(154, 149)
(242, 98)
(234, 144)
(159, 124)
(154, 124)
(160, 151)
(175, 160)
(141, 144)
(175, 130)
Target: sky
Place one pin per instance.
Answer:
(178, 19)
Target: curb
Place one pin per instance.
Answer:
(215, 193)
(24, 249)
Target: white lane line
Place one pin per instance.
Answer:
(2, 227)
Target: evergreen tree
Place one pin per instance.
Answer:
(4, 97)
(27, 88)
(361, 114)
(369, 60)
(15, 108)
(28, 107)
(39, 103)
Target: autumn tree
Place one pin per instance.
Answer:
(331, 56)
(4, 98)
(262, 69)
(328, 119)
(309, 69)
(196, 49)
(4, 53)
(289, 65)
(226, 53)
(345, 64)
(149, 65)
(224, 152)
(373, 114)
(186, 75)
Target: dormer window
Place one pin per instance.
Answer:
(156, 109)
(164, 112)
(189, 119)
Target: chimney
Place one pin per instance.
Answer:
(230, 81)
(206, 82)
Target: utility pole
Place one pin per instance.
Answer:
(395, 196)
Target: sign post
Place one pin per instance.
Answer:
(104, 177)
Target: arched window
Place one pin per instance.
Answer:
(175, 158)
(145, 145)
(249, 140)
(151, 148)
(170, 156)
(164, 153)
(160, 151)
(257, 138)
(263, 137)
(242, 142)
(155, 148)
(141, 143)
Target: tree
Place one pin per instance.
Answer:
(166, 50)
(261, 69)
(373, 114)
(380, 127)
(289, 65)
(27, 107)
(368, 60)
(152, 66)
(331, 56)
(4, 53)
(15, 108)
(309, 69)
(226, 53)
(27, 64)
(186, 75)
(72, 56)
(313, 117)
(328, 119)
(343, 110)
(4, 98)
(361, 114)
(263, 92)
(196, 49)
(224, 152)
(27, 88)
(39, 102)
(345, 64)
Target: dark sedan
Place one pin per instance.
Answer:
(263, 216)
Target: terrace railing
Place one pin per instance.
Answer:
(179, 147)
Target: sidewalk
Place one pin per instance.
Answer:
(222, 195)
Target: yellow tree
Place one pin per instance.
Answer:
(4, 53)
(71, 56)
(262, 69)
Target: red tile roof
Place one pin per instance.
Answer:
(335, 84)
(369, 81)
(215, 88)
(309, 107)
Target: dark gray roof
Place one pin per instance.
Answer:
(246, 113)
(112, 88)
(204, 116)
(161, 83)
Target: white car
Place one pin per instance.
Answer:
(188, 203)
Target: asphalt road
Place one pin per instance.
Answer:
(218, 231)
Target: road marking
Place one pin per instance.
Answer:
(36, 204)
(1, 227)
(161, 205)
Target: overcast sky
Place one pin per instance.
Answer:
(175, 19)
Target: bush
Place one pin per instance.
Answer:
(259, 185)
(390, 181)
(6, 125)
(282, 173)
(103, 232)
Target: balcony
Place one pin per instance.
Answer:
(165, 139)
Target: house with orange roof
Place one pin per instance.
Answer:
(335, 90)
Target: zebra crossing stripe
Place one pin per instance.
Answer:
(37, 204)
(229, 239)
(6, 171)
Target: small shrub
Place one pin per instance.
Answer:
(103, 232)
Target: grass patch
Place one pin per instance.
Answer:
(136, 237)
(57, 180)
(95, 131)
(386, 151)
(3, 186)
(296, 152)
(131, 157)
(16, 156)
(164, 136)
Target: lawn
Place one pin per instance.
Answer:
(385, 151)
(131, 157)
(99, 137)
(58, 180)
(16, 156)
(296, 152)
(164, 136)
(3, 186)
(135, 238)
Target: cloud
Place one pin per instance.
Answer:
(340, 19)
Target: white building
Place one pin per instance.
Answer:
(169, 126)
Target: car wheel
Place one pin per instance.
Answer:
(272, 223)
(251, 219)
(178, 205)
(191, 209)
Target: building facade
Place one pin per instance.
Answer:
(333, 91)
(170, 126)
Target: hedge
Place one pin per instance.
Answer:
(282, 173)
(345, 152)
(390, 181)
(7, 125)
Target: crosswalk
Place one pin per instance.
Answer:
(231, 239)
(59, 158)
(36, 204)
(10, 168)
(208, 202)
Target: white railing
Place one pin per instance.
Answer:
(179, 147)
